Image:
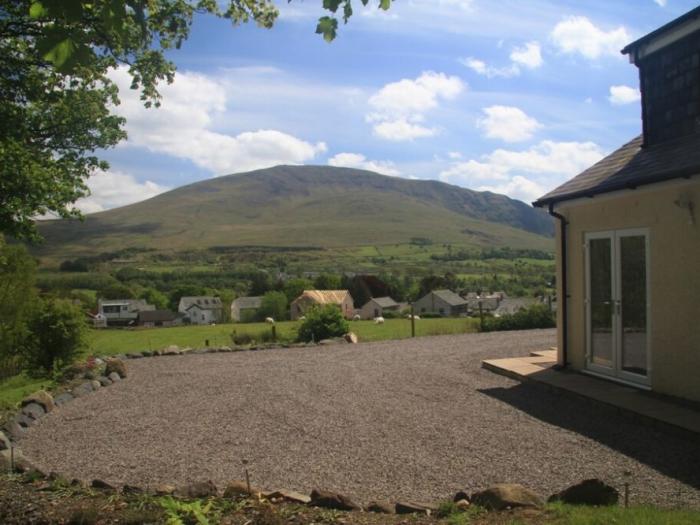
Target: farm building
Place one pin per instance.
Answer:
(628, 236)
(340, 298)
(378, 307)
(442, 302)
(152, 318)
(244, 309)
(201, 310)
(121, 312)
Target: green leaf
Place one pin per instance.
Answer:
(332, 5)
(328, 27)
(385, 4)
(37, 10)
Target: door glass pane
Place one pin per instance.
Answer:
(601, 301)
(633, 291)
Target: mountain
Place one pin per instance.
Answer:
(288, 206)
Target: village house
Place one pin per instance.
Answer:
(121, 312)
(378, 307)
(484, 303)
(628, 238)
(511, 305)
(442, 302)
(201, 310)
(340, 298)
(244, 309)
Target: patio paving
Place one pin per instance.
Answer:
(648, 408)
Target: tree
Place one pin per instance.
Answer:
(294, 288)
(57, 334)
(323, 322)
(273, 304)
(55, 58)
(326, 281)
(17, 297)
(155, 297)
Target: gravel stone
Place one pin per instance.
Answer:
(104, 381)
(114, 377)
(33, 410)
(64, 398)
(414, 420)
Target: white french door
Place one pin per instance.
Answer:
(617, 304)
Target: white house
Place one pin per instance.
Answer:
(201, 310)
(243, 309)
(122, 311)
(378, 306)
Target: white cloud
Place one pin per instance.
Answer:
(481, 68)
(620, 95)
(530, 55)
(182, 128)
(661, 3)
(525, 174)
(577, 34)
(356, 160)
(507, 123)
(454, 155)
(399, 108)
(112, 189)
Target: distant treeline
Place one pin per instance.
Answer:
(492, 253)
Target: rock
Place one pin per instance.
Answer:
(121, 357)
(236, 489)
(24, 420)
(33, 410)
(198, 489)
(289, 495)
(62, 399)
(463, 504)
(43, 398)
(331, 500)
(147, 353)
(15, 430)
(382, 507)
(99, 362)
(102, 485)
(82, 390)
(588, 492)
(95, 384)
(104, 381)
(131, 489)
(4, 441)
(461, 494)
(410, 507)
(165, 490)
(172, 350)
(506, 495)
(14, 460)
(115, 365)
(329, 342)
(351, 337)
(114, 377)
(225, 349)
(134, 355)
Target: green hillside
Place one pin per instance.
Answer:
(303, 206)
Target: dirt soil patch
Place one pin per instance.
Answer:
(414, 419)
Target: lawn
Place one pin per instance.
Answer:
(117, 341)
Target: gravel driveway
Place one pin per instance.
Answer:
(415, 419)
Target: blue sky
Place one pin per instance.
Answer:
(508, 96)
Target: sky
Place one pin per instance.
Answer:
(509, 96)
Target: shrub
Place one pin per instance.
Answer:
(535, 316)
(57, 334)
(273, 304)
(391, 315)
(322, 323)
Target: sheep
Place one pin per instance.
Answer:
(379, 320)
(415, 317)
(356, 317)
(269, 320)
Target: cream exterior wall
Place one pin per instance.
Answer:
(674, 267)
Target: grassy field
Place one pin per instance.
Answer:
(114, 341)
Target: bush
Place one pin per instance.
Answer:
(273, 304)
(322, 323)
(535, 316)
(57, 335)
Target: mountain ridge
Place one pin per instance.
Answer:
(305, 205)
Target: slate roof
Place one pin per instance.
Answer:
(244, 303)
(203, 302)
(385, 302)
(673, 24)
(632, 166)
(450, 297)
